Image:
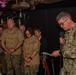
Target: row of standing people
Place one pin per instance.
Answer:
(12, 40)
(22, 53)
(68, 49)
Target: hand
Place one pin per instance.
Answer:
(27, 59)
(62, 41)
(11, 51)
(8, 51)
(55, 53)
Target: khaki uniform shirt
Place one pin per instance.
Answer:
(69, 48)
(30, 45)
(12, 39)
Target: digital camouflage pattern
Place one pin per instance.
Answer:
(31, 69)
(13, 64)
(69, 66)
(69, 52)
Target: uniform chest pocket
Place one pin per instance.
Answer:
(15, 34)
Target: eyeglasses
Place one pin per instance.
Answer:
(62, 24)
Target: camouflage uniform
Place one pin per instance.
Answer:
(13, 61)
(31, 44)
(69, 52)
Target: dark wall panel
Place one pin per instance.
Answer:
(37, 19)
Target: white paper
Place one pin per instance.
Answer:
(45, 53)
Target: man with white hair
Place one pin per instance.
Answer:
(11, 40)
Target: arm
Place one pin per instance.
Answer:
(27, 59)
(13, 50)
(20, 38)
(3, 40)
(62, 41)
(55, 53)
(4, 47)
(18, 45)
(35, 49)
(34, 53)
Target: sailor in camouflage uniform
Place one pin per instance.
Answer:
(11, 40)
(69, 48)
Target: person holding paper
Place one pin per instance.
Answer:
(69, 48)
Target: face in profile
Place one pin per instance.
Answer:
(10, 24)
(22, 28)
(37, 34)
(28, 34)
